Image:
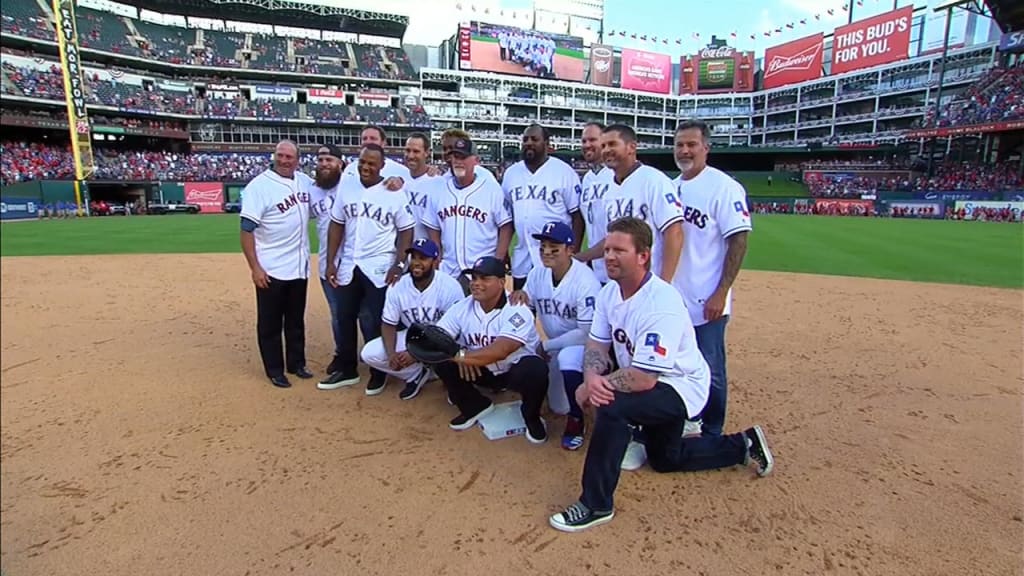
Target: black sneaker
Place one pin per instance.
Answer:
(334, 366)
(338, 380)
(464, 422)
(757, 450)
(413, 387)
(376, 385)
(578, 517)
(536, 433)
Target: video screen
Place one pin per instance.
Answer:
(509, 50)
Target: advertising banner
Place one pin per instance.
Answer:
(326, 94)
(912, 209)
(74, 88)
(964, 130)
(173, 85)
(602, 61)
(510, 50)
(716, 69)
(933, 35)
(843, 207)
(646, 71)
(1012, 42)
(793, 62)
(13, 208)
(1002, 211)
(957, 195)
(872, 42)
(377, 99)
(209, 196)
(1015, 196)
(276, 90)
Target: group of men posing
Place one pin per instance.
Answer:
(633, 324)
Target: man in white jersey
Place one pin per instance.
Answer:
(467, 217)
(642, 192)
(595, 185)
(562, 293)
(662, 379)
(448, 139)
(539, 188)
(423, 178)
(275, 242)
(717, 225)
(499, 343)
(422, 296)
(395, 175)
(329, 164)
(372, 228)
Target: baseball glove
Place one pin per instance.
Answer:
(430, 344)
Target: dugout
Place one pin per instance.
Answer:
(113, 192)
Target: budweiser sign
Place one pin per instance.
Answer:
(793, 62)
(709, 53)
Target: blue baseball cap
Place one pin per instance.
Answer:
(557, 232)
(487, 266)
(424, 246)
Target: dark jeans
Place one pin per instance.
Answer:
(711, 342)
(282, 304)
(518, 283)
(363, 302)
(331, 294)
(662, 413)
(528, 377)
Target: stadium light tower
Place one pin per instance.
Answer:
(74, 93)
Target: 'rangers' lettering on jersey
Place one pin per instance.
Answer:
(468, 219)
(536, 198)
(650, 331)
(649, 195)
(467, 322)
(280, 208)
(404, 303)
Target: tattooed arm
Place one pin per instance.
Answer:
(595, 358)
(715, 305)
(632, 380)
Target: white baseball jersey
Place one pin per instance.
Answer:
(280, 208)
(714, 208)
(474, 329)
(390, 169)
(405, 305)
(595, 185)
(565, 310)
(419, 190)
(550, 194)
(649, 195)
(372, 217)
(320, 203)
(651, 331)
(468, 219)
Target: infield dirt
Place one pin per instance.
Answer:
(139, 437)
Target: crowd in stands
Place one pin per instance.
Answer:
(996, 97)
(855, 178)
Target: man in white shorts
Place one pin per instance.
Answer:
(662, 378)
(422, 296)
(562, 293)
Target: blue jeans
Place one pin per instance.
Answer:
(331, 294)
(711, 342)
(662, 413)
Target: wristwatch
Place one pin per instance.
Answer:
(462, 354)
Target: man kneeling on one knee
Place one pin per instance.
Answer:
(499, 342)
(422, 295)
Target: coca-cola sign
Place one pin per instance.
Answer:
(711, 53)
(793, 62)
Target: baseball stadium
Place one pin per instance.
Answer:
(876, 330)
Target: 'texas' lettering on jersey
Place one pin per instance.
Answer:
(534, 192)
(623, 207)
(370, 211)
(477, 340)
(418, 199)
(422, 314)
(590, 196)
(292, 200)
(552, 307)
(462, 211)
(620, 336)
(322, 207)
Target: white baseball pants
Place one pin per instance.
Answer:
(570, 358)
(374, 356)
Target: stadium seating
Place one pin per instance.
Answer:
(996, 97)
(105, 31)
(25, 18)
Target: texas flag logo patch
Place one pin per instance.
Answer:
(589, 302)
(741, 208)
(653, 340)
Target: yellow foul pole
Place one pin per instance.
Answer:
(74, 94)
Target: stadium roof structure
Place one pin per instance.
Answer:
(1008, 14)
(285, 13)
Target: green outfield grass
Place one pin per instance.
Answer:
(984, 254)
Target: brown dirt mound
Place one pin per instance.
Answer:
(139, 437)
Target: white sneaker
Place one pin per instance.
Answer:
(636, 456)
(692, 427)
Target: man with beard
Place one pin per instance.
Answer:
(468, 217)
(421, 296)
(717, 225)
(595, 185)
(371, 228)
(539, 189)
(275, 242)
(448, 139)
(423, 178)
(329, 164)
